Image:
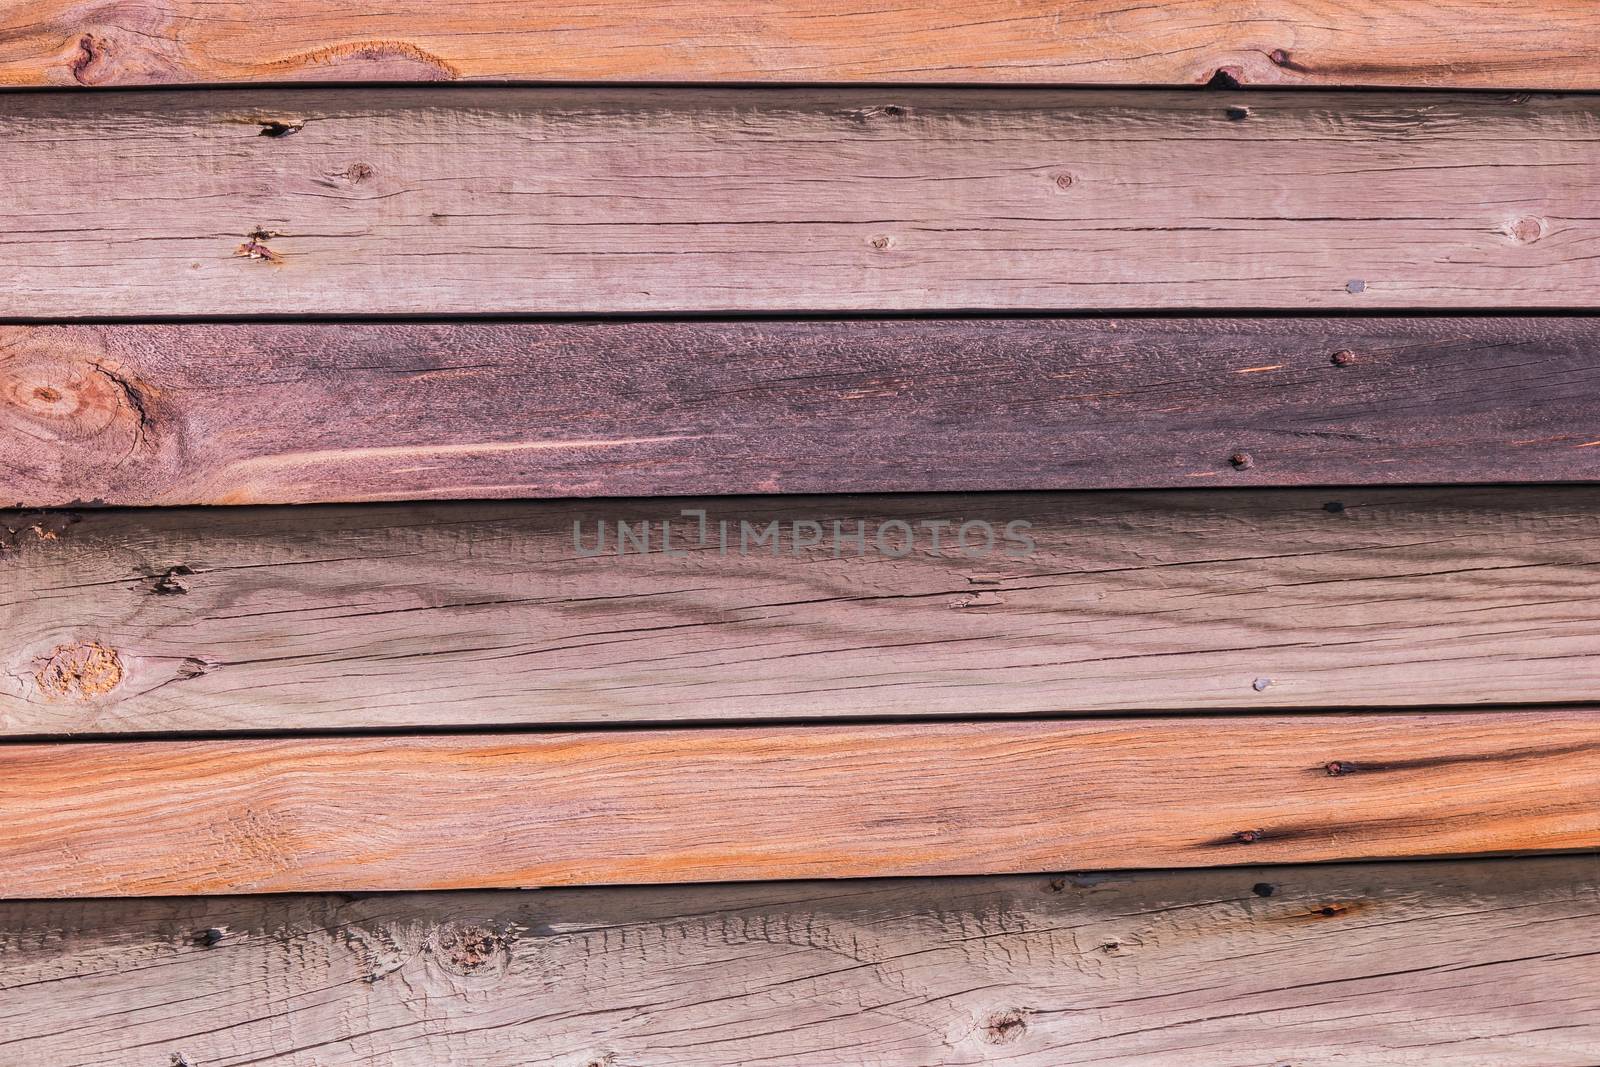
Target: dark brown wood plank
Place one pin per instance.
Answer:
(151, 818)
(605, 200)
(485, 614)
(1462, 43)
(225, 414)
(1399, 965)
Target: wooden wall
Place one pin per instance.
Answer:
(892, 508)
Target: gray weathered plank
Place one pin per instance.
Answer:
(477, 614)
(327, 412)
(1383, 965)
(557, 200)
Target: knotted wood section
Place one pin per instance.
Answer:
(1448, 43)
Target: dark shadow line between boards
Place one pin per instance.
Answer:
(1220, 82)
(484, 318)
(792, 724)
(1075, 878)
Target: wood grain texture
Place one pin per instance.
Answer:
(355, 813)
(432, 615)
(327, 412)
(458, 200)
(1460, 43)
(1386, 965)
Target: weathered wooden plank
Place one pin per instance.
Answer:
(212, 414)
(458, 200)
(1462, 43)
(1423, 965)
(147, 818)
(390, 615)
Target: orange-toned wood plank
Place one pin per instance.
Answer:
(380, 813)
(1478, 43)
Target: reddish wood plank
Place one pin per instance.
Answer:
(223, 414)
(1478, 43)
(381, 813)
(642, 201)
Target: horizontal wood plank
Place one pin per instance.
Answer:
(1389, 965)
(1462, 43)
(328, 412)
(484, 614)
(609, 200)
(750, 803)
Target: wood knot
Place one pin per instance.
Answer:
(1342, 358)
(1526, 230)
(171, 583)
(1004, 1027)
(255, 246)
(882, 241)
(1065, 181)
(80, 671)
(1355, 285)
(1339, 768)
(1248, 837)
(89, 65)
(65, 399)
(880, 111)
(280, 127)
(1241, 461)
(471, 948)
